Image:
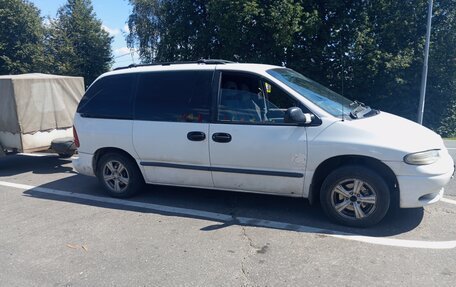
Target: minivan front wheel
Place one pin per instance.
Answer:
(355, 196)
(119, 175)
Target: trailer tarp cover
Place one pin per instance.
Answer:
(38, 102)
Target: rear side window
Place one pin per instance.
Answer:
(109, 97)
(177, 96)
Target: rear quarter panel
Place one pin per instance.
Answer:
(94, 133)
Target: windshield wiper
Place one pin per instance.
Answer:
(360, 110)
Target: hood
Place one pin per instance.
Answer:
(394, 131)
(384, 136)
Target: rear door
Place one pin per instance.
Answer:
(251, 148)
(171, 126)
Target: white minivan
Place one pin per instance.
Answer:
(255, 128)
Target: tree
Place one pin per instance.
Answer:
(78, 43)
(143, 24)
(248, 30)
(21, 38)
(441, 97)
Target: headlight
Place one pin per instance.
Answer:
(422, 158)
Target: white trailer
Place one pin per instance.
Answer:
(36, 109)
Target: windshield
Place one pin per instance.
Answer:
(323, 97)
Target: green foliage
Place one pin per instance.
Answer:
(384, 56)
(73, 44)
(78, 43)
(21, 38)
(144, 25)
(448, 125)
(170, 30)
(371, 51)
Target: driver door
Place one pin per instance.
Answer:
(251, 148)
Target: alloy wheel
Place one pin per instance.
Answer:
(354, 199)
(116, 176)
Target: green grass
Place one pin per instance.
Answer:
(452, 139)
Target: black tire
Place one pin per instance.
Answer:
(346, 204)
(109, 165)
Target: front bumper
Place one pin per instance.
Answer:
(418, 191)
(420, 185)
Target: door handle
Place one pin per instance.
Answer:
(196, 136)
(221, 137)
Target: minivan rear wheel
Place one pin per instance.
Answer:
(355, 196)
(119, 175)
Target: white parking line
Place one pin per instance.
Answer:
(242, 220)
(37, 154)
(448, 200)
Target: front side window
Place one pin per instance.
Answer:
(174, 96)
(249, 99)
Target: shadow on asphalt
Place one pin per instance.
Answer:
(292, 211)
(17, 164)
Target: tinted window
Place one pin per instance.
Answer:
(109, 97)
(178, 96)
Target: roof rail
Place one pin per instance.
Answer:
(200, 61)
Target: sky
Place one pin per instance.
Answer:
(113, 14)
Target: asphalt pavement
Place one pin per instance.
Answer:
(60, 229)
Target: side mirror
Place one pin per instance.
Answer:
(294, 115)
